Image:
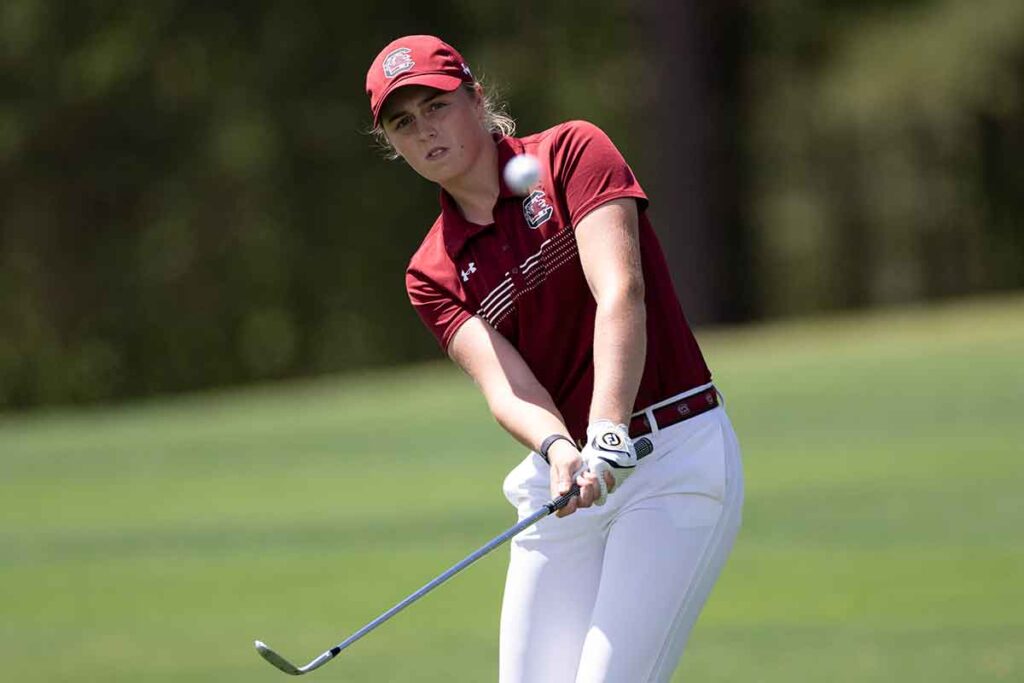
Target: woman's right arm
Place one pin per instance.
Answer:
(520, 403)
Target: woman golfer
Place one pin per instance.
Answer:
(557, 301)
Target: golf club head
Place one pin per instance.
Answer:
(277, 660)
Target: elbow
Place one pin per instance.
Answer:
(501, 405)
(503, 410)
(628, 293)
(634, 290)
(496, 405)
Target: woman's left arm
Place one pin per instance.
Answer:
(609, 249)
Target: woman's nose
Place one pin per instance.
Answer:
(427, 130)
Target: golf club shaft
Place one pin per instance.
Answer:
(533, 518)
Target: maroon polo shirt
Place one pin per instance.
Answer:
(522, 274)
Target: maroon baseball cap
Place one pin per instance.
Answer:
(414, 60)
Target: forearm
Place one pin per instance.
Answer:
(620, 350)
(516, 398)
(528, 414)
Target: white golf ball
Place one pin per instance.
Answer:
(522, 172)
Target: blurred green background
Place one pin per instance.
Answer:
(189, 201)
(220, 420)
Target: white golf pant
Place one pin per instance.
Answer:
(610, 594)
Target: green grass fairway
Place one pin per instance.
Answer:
(883, 536)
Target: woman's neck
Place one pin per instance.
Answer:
(476, 191)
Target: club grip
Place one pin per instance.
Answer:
(563, 500)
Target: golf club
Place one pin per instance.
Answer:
(289, 668)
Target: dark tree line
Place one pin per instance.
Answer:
(189, 198)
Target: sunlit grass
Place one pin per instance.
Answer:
(883, 536)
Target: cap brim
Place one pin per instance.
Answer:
(440, 81)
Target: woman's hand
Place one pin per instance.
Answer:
(610, 451)
(565, 462)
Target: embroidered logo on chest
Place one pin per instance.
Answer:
(536, 209)
(468, 271)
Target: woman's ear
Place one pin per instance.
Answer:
(479, 103)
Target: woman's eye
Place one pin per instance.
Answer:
(402, 122)
(437, 105)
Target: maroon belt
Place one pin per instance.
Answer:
(675, 412)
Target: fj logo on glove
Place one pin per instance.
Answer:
(611, 439)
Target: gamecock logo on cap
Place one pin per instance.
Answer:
(536, 209)
(397, 62)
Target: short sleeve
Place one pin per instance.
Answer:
(591, 170)
(439, 310)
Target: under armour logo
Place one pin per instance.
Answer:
(469, 271)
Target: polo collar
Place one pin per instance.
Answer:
(457, 230)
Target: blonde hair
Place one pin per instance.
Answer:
(496, 118)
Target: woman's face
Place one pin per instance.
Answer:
(440, 134)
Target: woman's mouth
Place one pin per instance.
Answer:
(436, 153)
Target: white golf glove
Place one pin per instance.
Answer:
(608, 449)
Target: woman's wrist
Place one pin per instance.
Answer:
(550, 442)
